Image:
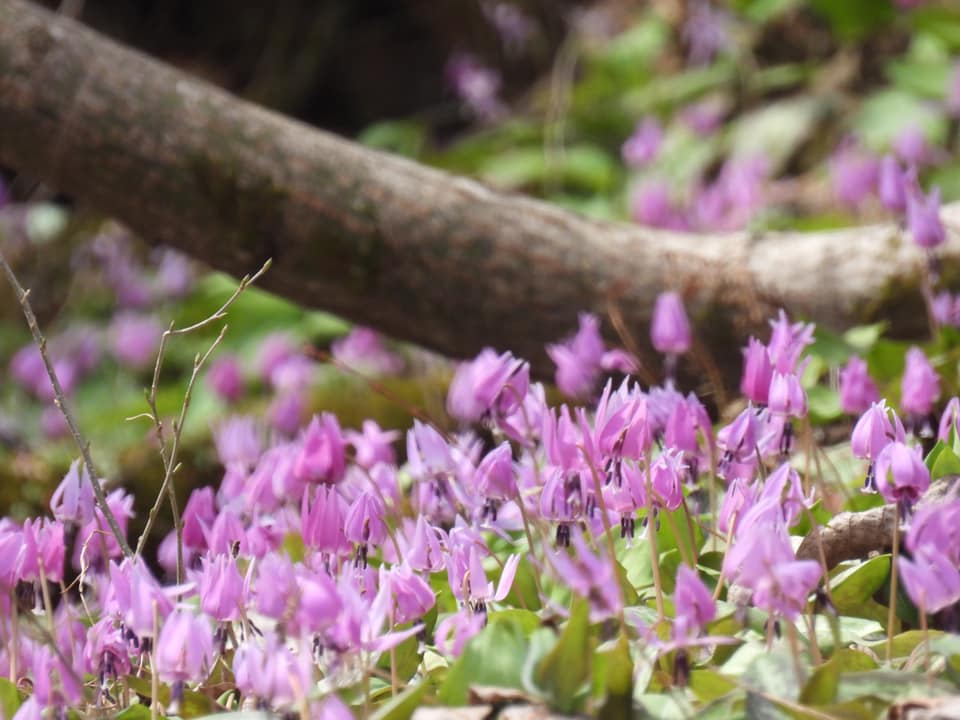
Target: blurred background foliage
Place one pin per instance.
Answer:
(532, 96)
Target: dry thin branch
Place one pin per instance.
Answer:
(170, 461)
(61, 403)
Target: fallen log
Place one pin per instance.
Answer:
(422, 255)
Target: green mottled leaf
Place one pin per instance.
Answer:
(613, 676)
(494, 657)
(9, 698)
(708, 685)
(855, 586)
(142, 712)
(821, 688)
(565, 669)
(403, 705)
(194, 704)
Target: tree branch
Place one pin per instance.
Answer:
(417, 253)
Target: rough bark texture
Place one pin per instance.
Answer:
(422, 255)
(855, 535)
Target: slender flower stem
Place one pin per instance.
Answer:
(925, 629)
(719, 588)
(654, 553)
(154, 677)
(892, 612)
(14, 648)
(795, 651)
(61, 403)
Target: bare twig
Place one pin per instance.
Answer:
(170, 464)
(61, 403)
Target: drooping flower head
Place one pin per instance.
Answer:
(921, 384)
(901, 475)
(670, 329)
(923, 219)
(858, 391)
(642, 147)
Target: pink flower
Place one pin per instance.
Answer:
(787, 397)
(893, 185)
(787, 342)
(476, 85)
(931, 579)
(268, 670)
(42, 546)
(364, 522)
(412, 594)
(221, 588)
(73, 500)
(185, 647)
(372, 445)
(581, 358)
(363, 349)
(494, 477)
(652, 205)
(95, 536)
(857, 389)
(670, 329)
(276, 586)
(489, 384)
(950, 420)
(757, 372)
(322, 523)
(920, 387)
(135, 339)
(642, 147)
(901, 475)
(321, 456)
(239, 441)
(923, 219)
(694, 604)
(666, 479)
(275, 351)
(591, 576)
(854, 172)
(876, 428)
(225, 379)
(287, 411)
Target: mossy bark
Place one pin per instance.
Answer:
(417, 253)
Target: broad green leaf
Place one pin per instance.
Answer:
(823, 404)
(889, 685)
(613, 676)
(194, 705)
(294, 547)
(9, 699)
(773, 673)
(494, 657)
(238, 715)
(403, 705)
(862, 337)
(565, 669)
(523, 593)
(855, 586)
(525, 619)
(884, 115)
(821, 688)
(904, 643)
(405, 658)
(708, 685)
(401, 137)
(942, 461)
(855, 19)
(142, 712)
